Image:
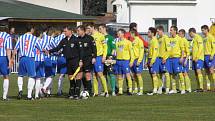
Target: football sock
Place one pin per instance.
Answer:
(31, 83)
(20, 83)
(5, 88)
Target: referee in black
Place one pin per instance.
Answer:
(72, 52)
(88, 56)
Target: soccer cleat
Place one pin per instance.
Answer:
(95, 95)
(167, 91)
(173, 92)
(106, 94)
(139, 93)
(5, 99)
(77, 98)
(183, 92)
(71, 97)
(129, 94)
(159, 90)
(19, 95)
(102, 94)
(113, 94)
(30, 99)
(60, 93)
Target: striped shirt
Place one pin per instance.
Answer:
(50, 45)
(58, 40)
(5, 43)
(40, 56)
(26, 45)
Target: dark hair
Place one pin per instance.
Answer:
(153, 30)
(160, 28)
(183, 31)
(134, 31)
(103, 25)
(205, 27)
(91, 25)
(192, 30)
(4, 28)
(122, 30)
(29, 27)
(132, 25)
(69, 28)
(174, 28)
(82, 27)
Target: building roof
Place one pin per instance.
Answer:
(21, 10)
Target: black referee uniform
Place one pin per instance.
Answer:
(88, 53)
(72, 52)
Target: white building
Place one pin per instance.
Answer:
(183, 13)
(74, 6)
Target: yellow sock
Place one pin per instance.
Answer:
(140, 83)
(95, 85)
(200, 78)
(155, 82)
(213, 76)
(187, 82)
(160, 82)
(120, 84)
(208, 82)
(129, 84)
(167, 80)
(135, 85)
(181, 78)
(104, 83)
(173, 82)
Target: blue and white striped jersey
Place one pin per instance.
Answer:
(26, 45)
(5, 43)
(58, 40)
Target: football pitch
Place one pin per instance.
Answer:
(188, 107)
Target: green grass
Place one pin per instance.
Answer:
(189, 107)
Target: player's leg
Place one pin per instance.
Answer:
(126, 71)
(21, 72)
(139, 71)
(5, 72)
(60, 84)
(166, 70)
(187, 82)
(62, 70)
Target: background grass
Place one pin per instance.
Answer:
(189, 107)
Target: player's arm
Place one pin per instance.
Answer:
(57, 48)
(144, 42)
(182, 48)
(141, 51)
(131, 52)
(168, 48)
(104, 43)
(213, 47)
(154, 52)
(8, 51)
(200, 48)
(16, 48)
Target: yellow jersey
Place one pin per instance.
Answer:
(177, 46)
(138, 49)
(186, 47)
(209, 45)
(198, 48)
(101, 44)
(153, 50)
(124, 50)
(164, 47)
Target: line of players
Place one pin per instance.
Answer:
(167, 56)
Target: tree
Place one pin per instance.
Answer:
(94, 7)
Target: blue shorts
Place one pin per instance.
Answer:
(207, 62)
(164, 67)
(175, 66)
(61, 65)
(27, 67)
(50, 67)
(122, 67)
(137, 69)
(4, 66)
(198, 65)
(98, 66)
(155, 67)
(185, 68)
(40, 69)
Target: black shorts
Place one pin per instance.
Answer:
(72, 65)
(87, 64)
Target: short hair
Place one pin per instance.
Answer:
(29, 27)
(175, 28)
(183, 31)
(205, 27)
(122, 30)
(132, 25)
(134, 31)
(103, 25)
(153, 30)
(82, 27)
(91, 25)
(160, 28)
(192, 30)
(69, 28)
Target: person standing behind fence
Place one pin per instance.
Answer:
(26, 45)
(185, 67)
(5, 58)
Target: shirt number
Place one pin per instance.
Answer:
(1, 42)
(26, 44)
